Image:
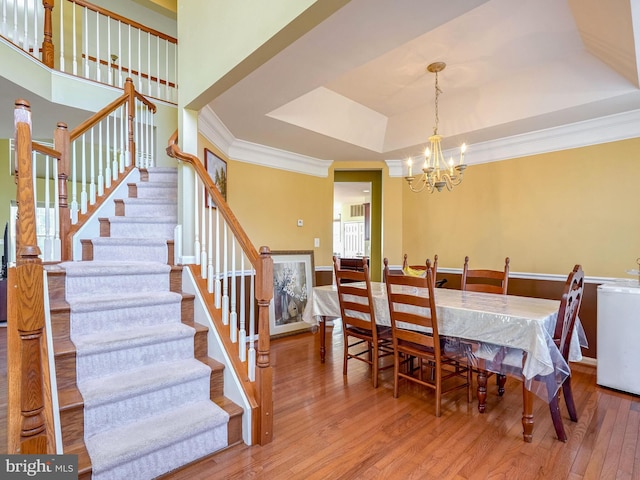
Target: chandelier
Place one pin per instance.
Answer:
(436, 173)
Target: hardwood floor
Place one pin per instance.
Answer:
(329, 427)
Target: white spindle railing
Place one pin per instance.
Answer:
(44, 165)
(149, 59)
(22, 22)
(100, 154)
(94, 36)
(223, 264)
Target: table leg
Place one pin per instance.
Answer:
(527, 414)
(323, 339)
(482, 390)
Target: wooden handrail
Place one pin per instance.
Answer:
(45, 150)
(98, 116)
(126, 70)
(122, 19)
(243, 239)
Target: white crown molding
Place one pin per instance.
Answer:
(214, 130)
(274, 158)
(611, 128)
(217, 133)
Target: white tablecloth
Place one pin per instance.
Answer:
(503, 326)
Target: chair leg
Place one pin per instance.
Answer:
(375, 365)
(501, 380)
(554, 407)
(568, 399)
(396, 373)
(469, 384)
(438, 388)
(346, 353)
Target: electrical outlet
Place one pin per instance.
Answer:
(316, 242)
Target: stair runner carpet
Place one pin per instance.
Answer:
(147, 407)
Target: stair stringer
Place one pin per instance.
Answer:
(91, 228)
(232, 383)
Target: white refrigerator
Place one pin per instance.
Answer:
(619, 335)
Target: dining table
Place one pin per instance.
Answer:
(505, 334)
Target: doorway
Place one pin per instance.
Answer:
(357, 217)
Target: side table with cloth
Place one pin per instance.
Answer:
(512, 335)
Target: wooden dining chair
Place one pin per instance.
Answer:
(363, 339)
(565, 325)
(483, 280)
(414, 328)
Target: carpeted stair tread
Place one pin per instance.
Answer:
(127, 241)
(98, 303)
(110, 388)
(153, 220)
(148, 201)
(130, 338)
(119, 446)
(105, 268)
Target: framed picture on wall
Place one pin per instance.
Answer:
(217, 169)
(293, 279)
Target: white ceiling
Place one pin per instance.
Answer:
(355, 86)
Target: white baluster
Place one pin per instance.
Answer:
(100, 160)
(62, 40)
(25, 37)
(217, 293)
(233, 315)
(158, 66)
(252, 328)
(36, 44)
(15, 24)
(107, 165)
(4, 27)
(98, 67)
(139, 63)
(109, 60)
(209, 267)
(120, 54)
(243, 313)
(92, 171)
(85, 31)
(166, 70)
(74, 42)
(83, 194)
(196, 232)
(225, 284)
(74, 188)
(152, 158)
(206, 239)
(149, 64)
(57, 245)
(48, 237)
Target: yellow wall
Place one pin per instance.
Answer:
(546, 212)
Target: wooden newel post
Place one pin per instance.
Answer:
(61, 143)
(47, 42)
(29, 294)
(130, 90)
(264, 374)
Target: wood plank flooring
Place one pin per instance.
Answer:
(327, 426)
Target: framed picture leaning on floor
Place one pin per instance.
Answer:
(293, 279)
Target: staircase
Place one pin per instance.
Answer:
(138, 394)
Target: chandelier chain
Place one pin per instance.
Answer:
(438, 91)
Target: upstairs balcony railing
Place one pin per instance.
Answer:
(88, 41)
